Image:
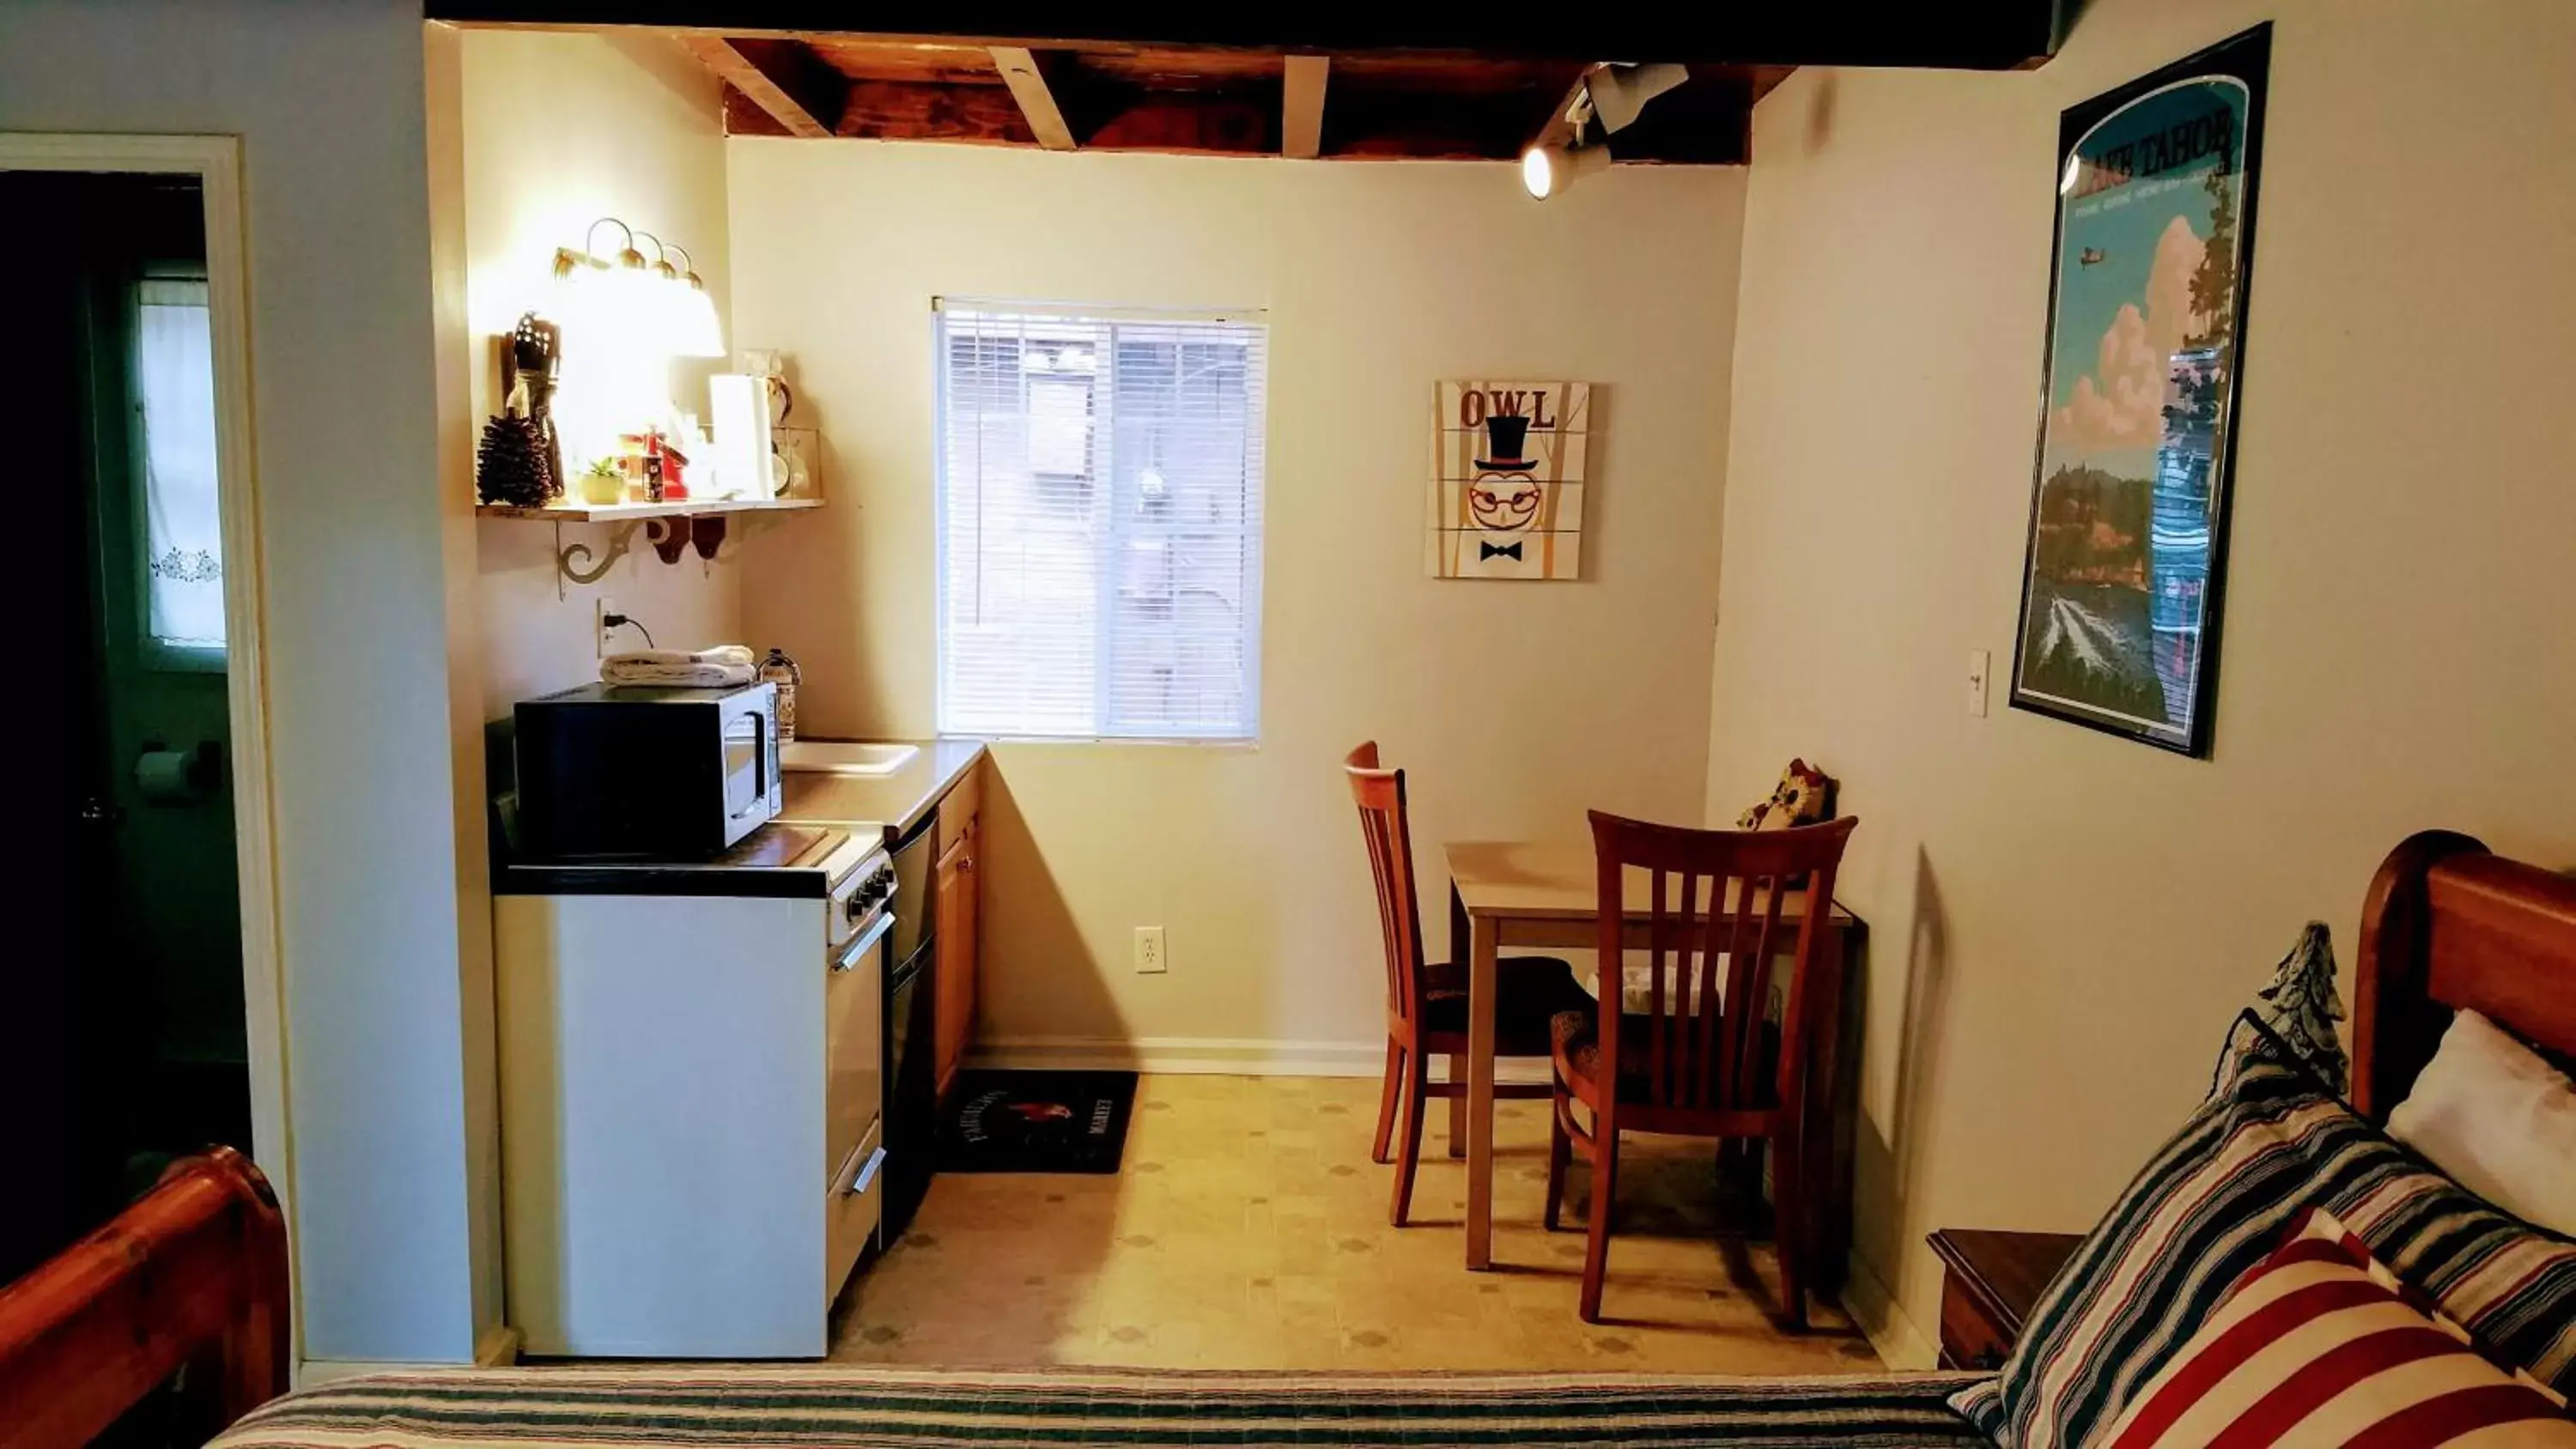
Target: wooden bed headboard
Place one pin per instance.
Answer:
(193, 1274)
(2449, 925)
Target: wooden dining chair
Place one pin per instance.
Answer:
(1426, 1002)
(1704, 1058)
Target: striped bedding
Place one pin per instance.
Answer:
(756, 1406)
(2268, 1144)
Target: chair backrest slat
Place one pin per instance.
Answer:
(1711, 967)
(1379, 794)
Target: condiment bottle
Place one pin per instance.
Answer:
(780, 670)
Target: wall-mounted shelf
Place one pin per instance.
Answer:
(670, 527)
(633, 512)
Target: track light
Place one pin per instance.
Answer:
(1547, 170)
(1619, 92)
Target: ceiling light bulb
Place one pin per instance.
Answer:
(1547, 170)
(1538, 172)
(697, 332)
(1619, 92)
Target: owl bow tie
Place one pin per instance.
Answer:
(1510, 551)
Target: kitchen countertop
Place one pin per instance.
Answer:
(900, 800)
(776, 862)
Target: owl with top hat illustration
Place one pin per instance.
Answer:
(1506, 488)
(1503, 497)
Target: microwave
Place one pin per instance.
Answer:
(621, 772)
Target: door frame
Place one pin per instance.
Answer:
(215, 161)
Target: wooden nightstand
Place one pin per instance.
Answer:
(1993, 1281)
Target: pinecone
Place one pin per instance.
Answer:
(510, 467)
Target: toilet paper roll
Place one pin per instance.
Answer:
(167, 777)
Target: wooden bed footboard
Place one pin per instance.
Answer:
(192, 1276)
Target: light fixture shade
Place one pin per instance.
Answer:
(1619, 92)
(695, 332)
(1547, 170)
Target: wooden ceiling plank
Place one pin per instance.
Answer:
(908, 111)
(1961, 34)
(783, 77)
(1019, 67)
(1301, 106)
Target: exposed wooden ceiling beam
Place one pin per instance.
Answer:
(785, 78)
(1028, 83)
(1301, 106)
(1960, 34)
(908, 111)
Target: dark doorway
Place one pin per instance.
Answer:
(124, 1005)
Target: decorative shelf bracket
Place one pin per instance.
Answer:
(672, 528)
(580, 563)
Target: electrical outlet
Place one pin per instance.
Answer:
(601, 608)
(1977, 665)
(1150, 960)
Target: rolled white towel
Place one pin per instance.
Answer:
(681, 675)
(721, 654)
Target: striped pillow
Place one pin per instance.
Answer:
(2269, 1142)
(2321, 1347)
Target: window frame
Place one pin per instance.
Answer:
(1246, 734)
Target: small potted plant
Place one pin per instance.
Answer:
(603, 483)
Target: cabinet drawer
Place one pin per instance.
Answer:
(1970, 1337)
(850, 1214)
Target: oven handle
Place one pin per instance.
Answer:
(850, 954)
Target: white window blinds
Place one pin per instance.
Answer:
(1099, 522)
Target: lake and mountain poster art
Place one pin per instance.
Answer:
(2128, 519)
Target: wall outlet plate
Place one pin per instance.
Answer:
(1150, 957)
(1978, 665)
(601, 608)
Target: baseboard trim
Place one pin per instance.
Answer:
(316, 1371)
(1901, 1344)
(498, 1347)
(1208, 1056)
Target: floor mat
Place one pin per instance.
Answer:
(1036, 1121)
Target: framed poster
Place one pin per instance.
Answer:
(1507, 465)
(2128, 515)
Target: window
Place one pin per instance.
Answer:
(181, 529)
(1099, 522)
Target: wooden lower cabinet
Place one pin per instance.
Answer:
(957, 880)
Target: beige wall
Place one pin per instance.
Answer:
(558, 131)
(2064, 921)
(1516, 706)
(532, 137)
(328, 103)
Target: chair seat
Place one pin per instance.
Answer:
(1576, 1046)
(1530, 992)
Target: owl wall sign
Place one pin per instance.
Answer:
(1507, 480)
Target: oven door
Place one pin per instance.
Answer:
(853, 1038)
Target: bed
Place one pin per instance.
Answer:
(194, 1276)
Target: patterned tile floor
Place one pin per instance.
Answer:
(1248, 1230)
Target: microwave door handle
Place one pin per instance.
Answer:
(760, 748)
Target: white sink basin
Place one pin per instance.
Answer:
(838, 757)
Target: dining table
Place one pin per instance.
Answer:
(1505, 894)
